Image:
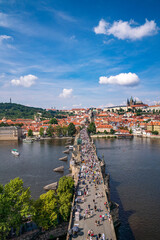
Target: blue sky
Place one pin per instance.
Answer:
(79, 53)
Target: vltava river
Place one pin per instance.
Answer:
(34, 165)
(134, 168)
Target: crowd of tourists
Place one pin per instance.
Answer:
(89, 192)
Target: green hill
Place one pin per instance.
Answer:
(13, 111)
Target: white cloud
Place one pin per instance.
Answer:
(77, 105)
(126, 30)
(108, 41)
(4, 37)
(123, 79)
(101, 28)
(25, 81)
(66, 93)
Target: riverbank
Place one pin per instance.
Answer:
(103, 136)
(119, 136)
(151, 136)
(50, 138)
(124, 136)
(46, 138)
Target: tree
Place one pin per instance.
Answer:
(155, 132)
(58, 130)
(112, 131)
(65, 184)
(46, 210)
(65, 131)
(53, 121)
(121, 110)
(41, 131)
(130, 131)
(124, 128)
(65, 193)
(92, 128)
(71, 129)
(65, 205)
(15, 205)
(50, 131)
(30, 133)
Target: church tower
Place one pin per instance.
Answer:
(131, 101)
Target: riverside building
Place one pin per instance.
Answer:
(10, 133)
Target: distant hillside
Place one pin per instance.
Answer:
(13, 111)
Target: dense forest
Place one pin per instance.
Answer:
(14, 111)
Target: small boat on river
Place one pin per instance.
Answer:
(26, 140)
(15, 152)
(70, 147)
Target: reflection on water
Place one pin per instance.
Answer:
(34, 165)
(134, 167)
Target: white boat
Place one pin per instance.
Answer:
(70, 147)
(26, 140)
(15, 152)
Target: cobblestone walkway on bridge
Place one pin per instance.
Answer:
(89, 222)
(92, 195)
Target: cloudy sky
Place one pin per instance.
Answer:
(84, 53)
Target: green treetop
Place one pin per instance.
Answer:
(53, 121)
(50, 131)
(46, 212)
(71, 129)
(58, 130)
(65, 184)
(15, 205)
(65, 131)
(65, 193)
(92, 128)
(41, 131)
(30, 133)
(112, 131)
(65, 200)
